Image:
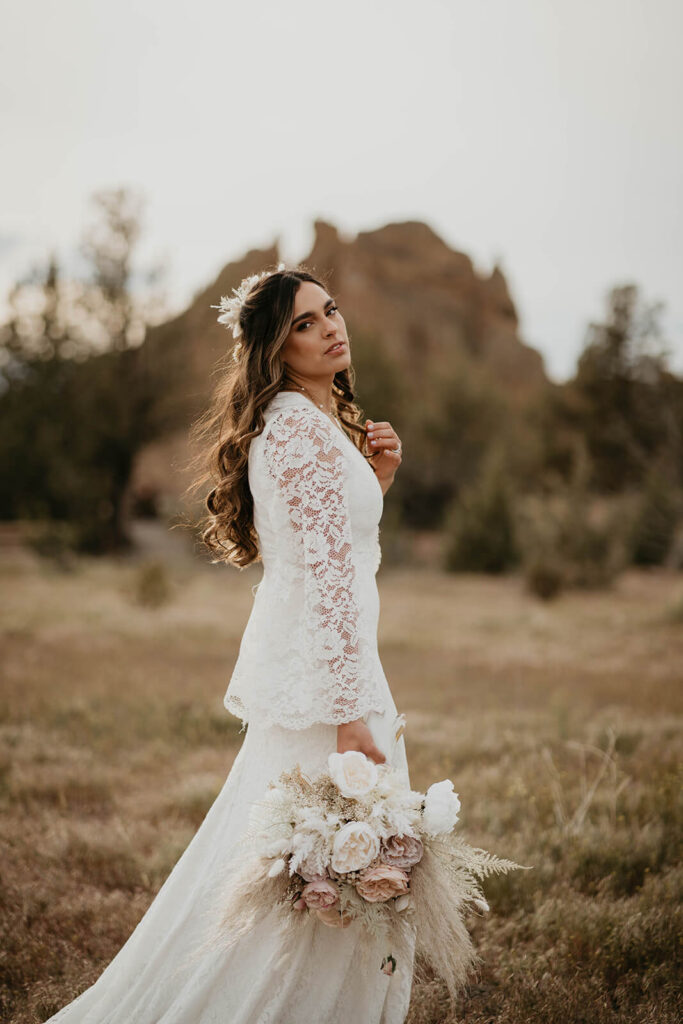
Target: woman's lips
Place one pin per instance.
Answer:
(337, 347)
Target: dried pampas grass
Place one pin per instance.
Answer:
(442, 939)
(444, 886)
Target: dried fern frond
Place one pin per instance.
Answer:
(479, 862)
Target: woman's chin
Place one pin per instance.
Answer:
(340, 361)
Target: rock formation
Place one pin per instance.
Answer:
(400, 287)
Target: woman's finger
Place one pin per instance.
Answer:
(385, 442)
(375, 754)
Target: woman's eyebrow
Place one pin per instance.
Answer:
(302, 316)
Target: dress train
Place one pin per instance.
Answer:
(329, 978)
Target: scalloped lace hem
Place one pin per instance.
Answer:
(266, 716)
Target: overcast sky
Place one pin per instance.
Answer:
(546, 134)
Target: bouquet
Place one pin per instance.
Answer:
(356, 844)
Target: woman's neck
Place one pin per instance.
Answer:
(319, 392)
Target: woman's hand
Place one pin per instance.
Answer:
(382, 438)
(357, 736)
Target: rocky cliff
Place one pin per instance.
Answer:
(401, 289)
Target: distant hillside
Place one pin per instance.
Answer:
(414, 308)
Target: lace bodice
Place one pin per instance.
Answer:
(309, 651)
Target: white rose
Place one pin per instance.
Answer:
(352, 772)
(441, 808)
(401, 902)
(355, 846)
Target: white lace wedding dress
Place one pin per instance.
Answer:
(308, 660)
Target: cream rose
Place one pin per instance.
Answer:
(320, 895)
(441, 808)
(401, 851)
(352, 772)
(355, 846)
(381, 883)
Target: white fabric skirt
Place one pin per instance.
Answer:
(331, 977)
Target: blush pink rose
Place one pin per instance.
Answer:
(401, 851)
(320, 894)
(381, 883)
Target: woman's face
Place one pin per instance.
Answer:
(317, 344)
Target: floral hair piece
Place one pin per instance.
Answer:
(231, 305)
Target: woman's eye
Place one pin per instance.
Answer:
(305, 323)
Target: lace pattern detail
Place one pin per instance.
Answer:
(308, 466)
(309, 651)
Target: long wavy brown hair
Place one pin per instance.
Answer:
(251, 373)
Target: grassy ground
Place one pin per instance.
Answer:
(559, 724)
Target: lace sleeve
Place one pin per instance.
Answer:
(307, 463)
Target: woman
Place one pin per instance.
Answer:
(292, 487)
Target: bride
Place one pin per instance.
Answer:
(297, 482)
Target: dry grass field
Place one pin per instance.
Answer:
(559, 725)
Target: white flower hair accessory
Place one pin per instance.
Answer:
(231, 305)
